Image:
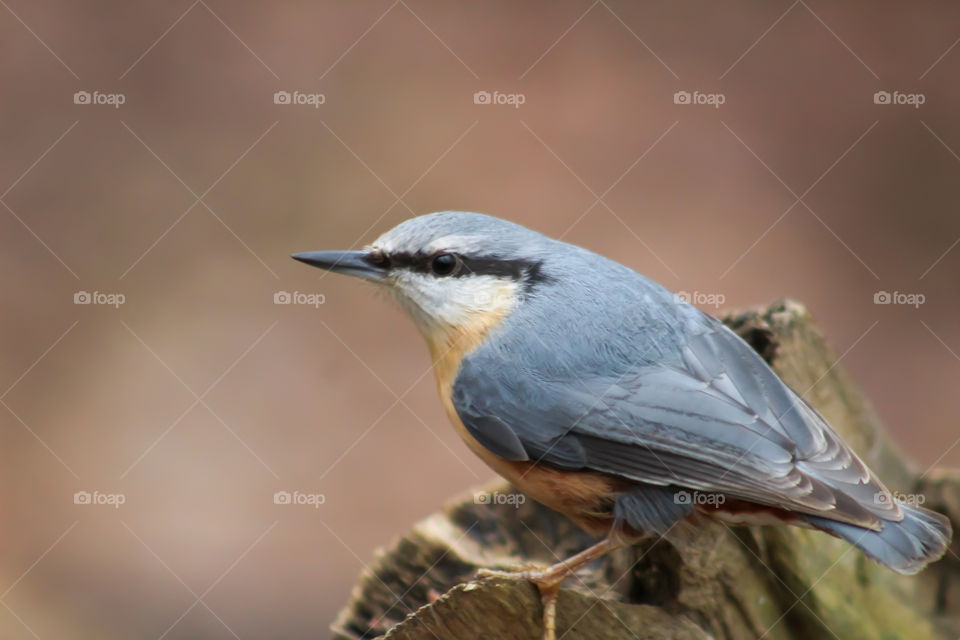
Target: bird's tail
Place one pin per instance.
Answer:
(906, 546)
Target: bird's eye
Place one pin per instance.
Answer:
(444, 264)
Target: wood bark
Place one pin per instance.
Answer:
(707, 581)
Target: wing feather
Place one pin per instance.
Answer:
(715, 418)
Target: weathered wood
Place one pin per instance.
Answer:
(705, 581)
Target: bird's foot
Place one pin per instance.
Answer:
(549, 579)
(548, 597)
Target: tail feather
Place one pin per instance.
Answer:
(906, 546)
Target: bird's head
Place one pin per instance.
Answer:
(449, 271)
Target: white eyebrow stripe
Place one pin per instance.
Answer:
(450, 242)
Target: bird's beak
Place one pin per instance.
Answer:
(351, 263)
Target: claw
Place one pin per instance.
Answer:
(548, 596)
(549, 579)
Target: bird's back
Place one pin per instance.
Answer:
(601, 370)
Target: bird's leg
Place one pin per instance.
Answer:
(557, 573)
(549, 579)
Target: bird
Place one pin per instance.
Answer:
(604, 396)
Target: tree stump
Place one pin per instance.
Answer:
(709, 581)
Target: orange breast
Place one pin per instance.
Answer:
(585, 497)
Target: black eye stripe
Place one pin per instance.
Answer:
(485, 265)
(379, 259)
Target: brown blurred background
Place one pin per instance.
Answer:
(198, 398)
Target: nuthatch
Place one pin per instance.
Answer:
(602, 395)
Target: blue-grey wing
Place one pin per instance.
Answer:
(716, 418)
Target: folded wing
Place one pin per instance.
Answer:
(715, 419)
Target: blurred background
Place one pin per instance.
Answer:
(161, 160)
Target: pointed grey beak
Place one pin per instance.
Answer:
(351, 263)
